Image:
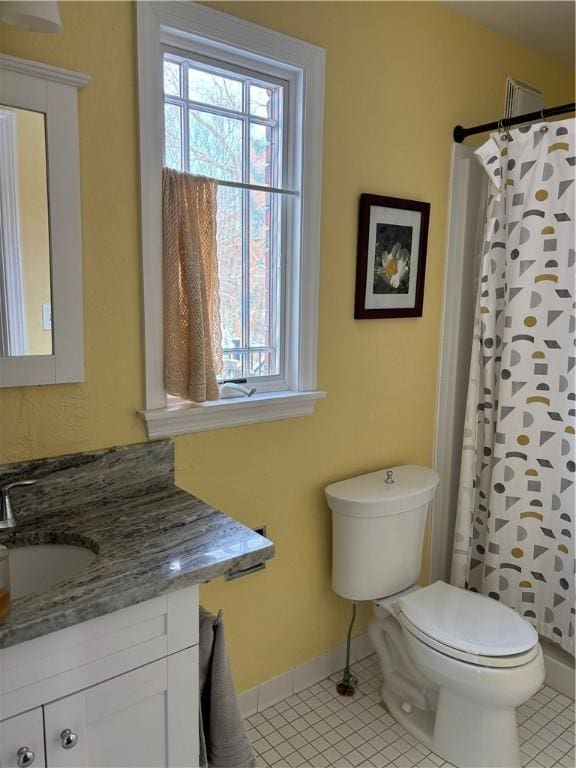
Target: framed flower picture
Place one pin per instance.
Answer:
(392, 240)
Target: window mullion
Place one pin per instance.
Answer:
(275, 208)
(256, 348)
(283, 240)
(218, 110)
(245, 278)
(245, 236)
(271, 303)
(185, 121)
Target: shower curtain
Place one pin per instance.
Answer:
(514, 538)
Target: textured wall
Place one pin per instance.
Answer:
(399, 76)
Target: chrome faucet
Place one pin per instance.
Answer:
(7, 519)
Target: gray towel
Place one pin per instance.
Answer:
(223, 740)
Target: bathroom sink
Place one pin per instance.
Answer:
(39, 567)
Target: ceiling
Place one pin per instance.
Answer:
(546, 26)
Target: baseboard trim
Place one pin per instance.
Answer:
(303, 676)
(559, 674)
(559, 669)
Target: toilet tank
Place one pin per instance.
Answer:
(378, 523)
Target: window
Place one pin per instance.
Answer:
(223, 98)
(229, 125)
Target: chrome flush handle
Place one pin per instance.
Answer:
(25, 757)
(68, 739)
(389, 477)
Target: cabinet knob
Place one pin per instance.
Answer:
(25, 757)
(68, 739)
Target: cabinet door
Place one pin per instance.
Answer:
(22, 741)
(147, 718)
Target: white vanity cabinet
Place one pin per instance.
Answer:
(117, 691)
(22, 740)
(141, 719)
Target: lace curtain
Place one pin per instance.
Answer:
(192, 335)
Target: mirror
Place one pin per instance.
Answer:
(25, 289)
(41, 316)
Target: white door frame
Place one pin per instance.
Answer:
(465, 203)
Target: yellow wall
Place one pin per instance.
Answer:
(34, 236)
(399, 76)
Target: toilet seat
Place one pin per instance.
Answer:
(513, 660)
(468, 626)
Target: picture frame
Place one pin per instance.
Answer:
(391, 259)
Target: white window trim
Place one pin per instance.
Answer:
(158, 21)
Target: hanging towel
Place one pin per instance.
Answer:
(223, 740)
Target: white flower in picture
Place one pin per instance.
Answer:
(395, 265)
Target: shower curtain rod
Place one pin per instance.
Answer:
(459, 133)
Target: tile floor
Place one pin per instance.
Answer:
(318, 728)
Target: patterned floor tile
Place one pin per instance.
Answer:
(319, 729)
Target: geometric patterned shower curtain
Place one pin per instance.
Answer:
(514, 538)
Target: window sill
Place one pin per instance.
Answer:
(233, 412)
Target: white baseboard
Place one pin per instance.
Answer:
(303, 676)
(559, 669)
(559, 674)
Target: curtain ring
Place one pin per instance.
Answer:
(543, 128)
(503, 136)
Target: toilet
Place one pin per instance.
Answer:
(455, 664)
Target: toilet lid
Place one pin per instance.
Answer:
(467, 621)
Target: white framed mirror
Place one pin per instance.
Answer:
(41, 317)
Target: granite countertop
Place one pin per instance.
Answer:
(150, 537)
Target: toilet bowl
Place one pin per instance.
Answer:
(455, 664)
(483, 660)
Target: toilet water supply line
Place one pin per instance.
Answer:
(347, 687)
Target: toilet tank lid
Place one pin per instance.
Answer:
(413, 485)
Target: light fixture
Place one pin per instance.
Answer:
(37, 16)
